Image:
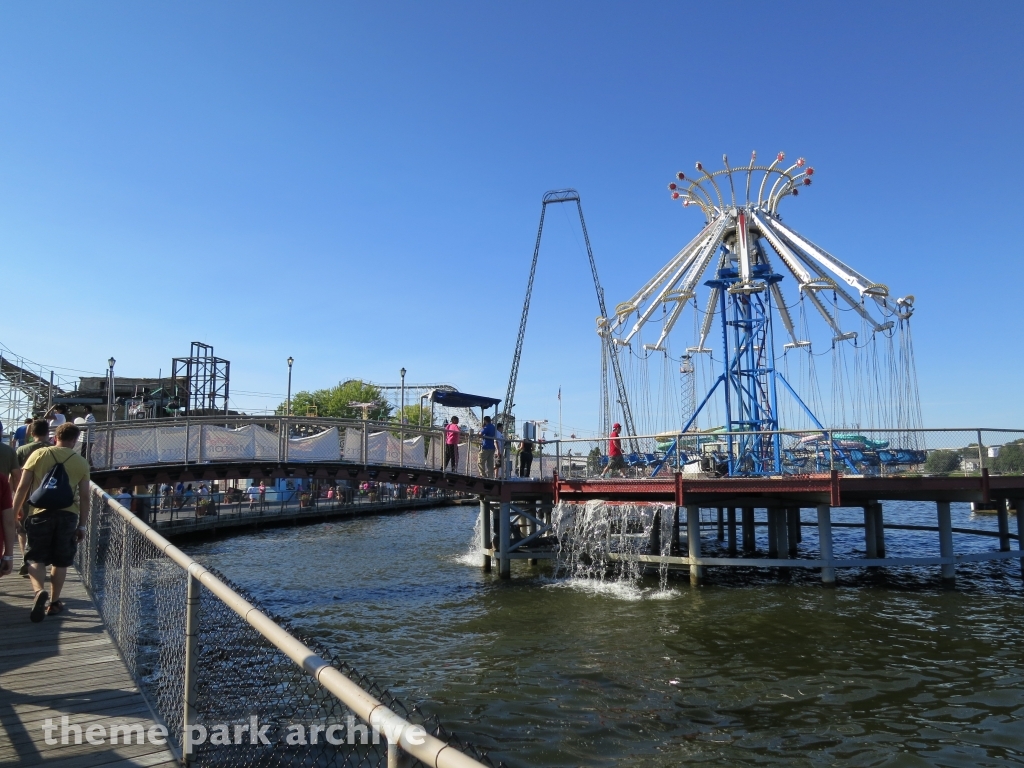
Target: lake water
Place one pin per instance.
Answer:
(886, 670)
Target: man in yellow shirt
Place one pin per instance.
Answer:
(53, 534)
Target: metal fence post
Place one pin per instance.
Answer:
(981, 454)
(189, 692)
(187, 439)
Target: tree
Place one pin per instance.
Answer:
(1010, 460)
(942, 462)
(415, 415)
(334, 402)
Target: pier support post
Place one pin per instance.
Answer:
(828, 572)
(721, 524)
(693, 542)
(189, 692)
(732, 531)
(870, 534)
(677, 546)
(946, 544)
(485, 531)
(793, 523)
(773, 532)
(749, 542)
(504, 536)
(1004, 525)
(1019, 506)
(879, 529)
(782, 532)
(532, 527)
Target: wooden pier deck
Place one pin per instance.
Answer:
(67, 665)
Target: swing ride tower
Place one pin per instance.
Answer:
(741, 263)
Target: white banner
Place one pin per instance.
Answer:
(133, 447)
(353, 446)
(323, 447)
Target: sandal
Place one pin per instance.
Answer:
(39, 606)
(55, 607)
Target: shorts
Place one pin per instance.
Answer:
(51, 538)
(616, 463)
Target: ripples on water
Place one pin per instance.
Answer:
(887, 670)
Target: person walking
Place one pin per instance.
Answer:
(485, 461)
(21, 434)
(499, 450)
(39, 437)
(53, 533)
(615, 460)
(525, 458)
(451, 444)
(253, 492)
(263, 494)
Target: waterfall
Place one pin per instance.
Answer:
(603, 540)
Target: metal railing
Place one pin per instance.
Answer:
(294, 439)
(204, 654)
(847, 450)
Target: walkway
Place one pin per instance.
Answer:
(65, 666)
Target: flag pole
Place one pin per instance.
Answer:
(559, 412)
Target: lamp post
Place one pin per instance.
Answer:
(110, 388)
(290, 361)
(402, 412)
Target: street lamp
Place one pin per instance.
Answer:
(110, 388)
(290, 361)
(402, 374)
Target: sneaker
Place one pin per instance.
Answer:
(39, 606)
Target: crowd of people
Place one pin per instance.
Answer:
(44, 503)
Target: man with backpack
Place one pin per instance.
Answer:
(55, 482)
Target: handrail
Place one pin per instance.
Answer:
(431, 750)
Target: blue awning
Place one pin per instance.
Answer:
(462, 399)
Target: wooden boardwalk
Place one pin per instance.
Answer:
(65, 666)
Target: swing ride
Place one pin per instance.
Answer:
(696, 353)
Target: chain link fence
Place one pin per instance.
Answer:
(252, 692)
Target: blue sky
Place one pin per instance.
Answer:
(358, 186)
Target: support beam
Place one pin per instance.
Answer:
(485, 531)
(870, 536)
(879, 530)
(1004, 525)
(773, 532)
(749, 542)
(721, 524)
(782, 532)
(504, 536)
(676, 537)
(793, 529)
(946, 544)
(732, 531)
(531, 528)
(693, 542)
(1020, 532)
(828, 573)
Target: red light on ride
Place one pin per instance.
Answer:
(781, 156)
(672, 185)
(796, 192)
(700, 167)
(807, 182)
(809, 171)
(675, 195)
(680, 175)
(800, 162)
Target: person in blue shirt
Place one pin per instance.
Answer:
(21, 434)
(485, 462)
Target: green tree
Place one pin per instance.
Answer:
(334, 402)
(415, 415)
(942, 462)
(1010, 460)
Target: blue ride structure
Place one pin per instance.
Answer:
(755, 416)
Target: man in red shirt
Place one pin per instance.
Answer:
(615, 460)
